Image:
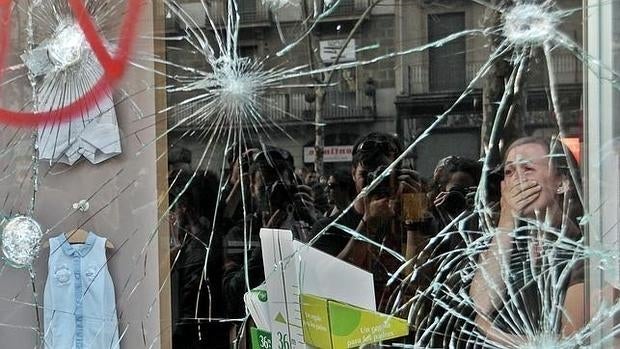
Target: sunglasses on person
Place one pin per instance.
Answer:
(272, 155)
(449, 160)
(373, 145)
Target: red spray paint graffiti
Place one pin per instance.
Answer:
(114, 66)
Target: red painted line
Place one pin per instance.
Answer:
(113, 66)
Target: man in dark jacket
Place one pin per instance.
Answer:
(277, 202)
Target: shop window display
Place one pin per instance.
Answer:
(262, 199)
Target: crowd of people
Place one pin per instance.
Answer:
(216, 254)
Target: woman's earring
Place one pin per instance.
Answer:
(561, 189)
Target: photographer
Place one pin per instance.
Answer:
(196, 292)
(376, 216)
(452, 194)
(276, 202)
(231, 211)
(454, 188)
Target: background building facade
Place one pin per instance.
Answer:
(358, 101)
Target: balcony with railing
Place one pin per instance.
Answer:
(348, 9)
(417, 77)
(532, 119)
(283, 109)
(422, 98)
(567, 70)
(252, 13)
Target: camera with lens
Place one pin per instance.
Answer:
(459, 199)
(245, 164)
(383, 189)
(280, 195)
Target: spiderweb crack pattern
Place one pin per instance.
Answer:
(229, 106)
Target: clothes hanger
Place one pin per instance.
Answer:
(76, 236)
(79, 235)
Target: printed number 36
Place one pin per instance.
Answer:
(283, 341)
(265, 342)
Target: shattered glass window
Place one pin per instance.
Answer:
(309, 174)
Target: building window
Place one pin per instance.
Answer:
(247, 7)
(248, 51)
(446, 63)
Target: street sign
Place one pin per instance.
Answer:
(337, 153)
(329, 51)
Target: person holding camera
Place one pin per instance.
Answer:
(377, 215)
(451, 198)
(455, 181)
(231, 211)
(276, 201)
(196, 292)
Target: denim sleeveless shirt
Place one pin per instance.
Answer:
(79, 304)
